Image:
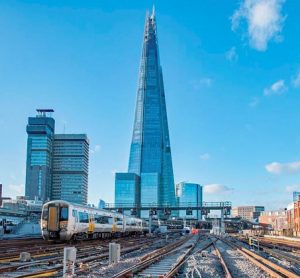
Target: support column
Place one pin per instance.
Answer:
(222, 230)
(150, 223)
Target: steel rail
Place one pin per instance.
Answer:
(274, 252)
(279, 255)
(224, 266)
(150, 258)
(182, 260)
(268, 266)
(82, 256)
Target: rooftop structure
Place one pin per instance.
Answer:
(250, 213)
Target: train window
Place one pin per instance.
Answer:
(119, 221)
(45, 213)
(64, 214)
(103, 219)
(83, 217)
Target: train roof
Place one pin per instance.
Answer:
(87, 207)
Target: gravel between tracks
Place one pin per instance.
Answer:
(206, 263)
(127, 260)
(238, 265)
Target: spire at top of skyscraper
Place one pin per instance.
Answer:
(153, 12)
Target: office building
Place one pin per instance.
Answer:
(296, 196)
(40, 130)
(250, 213)
(101, 204)
(150, 151)
(57, 164)
(277, 219)
(189, 195)
(70, 168)
(1, 197)
(127, 189)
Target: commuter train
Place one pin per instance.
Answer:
(63, 221)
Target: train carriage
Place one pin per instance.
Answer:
(63, 220)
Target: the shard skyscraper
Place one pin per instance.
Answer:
(150, 176)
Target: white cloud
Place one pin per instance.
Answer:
(205, 156)
(216, 188)
(96, 149)
(264, 21)
(292, 188)
(231, 54)
(296, 80)
(283, 168)
(17, 189)
(278, 88)
(254, 102)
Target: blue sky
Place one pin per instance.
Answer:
(232, 82)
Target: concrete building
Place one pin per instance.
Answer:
(70, 168)
(277, 219)
(250, 213)
(189, 194)
(296, 220)
(290, 219)
(1, 197)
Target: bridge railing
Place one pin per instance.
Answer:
(169, 205)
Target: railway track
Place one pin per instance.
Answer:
(162, 261)
(268, 266)
(50, 261)
(88, 253)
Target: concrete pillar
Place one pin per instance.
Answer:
(114, 253)
(69, 262)
(222, 230)
(150, 224)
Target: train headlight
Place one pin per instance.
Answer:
(63, 226)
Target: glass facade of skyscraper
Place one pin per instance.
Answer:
(127, 189)
(189, 194)
(150, 152)
(70, 168)
(296, 196)
(40, 130)
(57, 164)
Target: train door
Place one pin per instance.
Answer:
(114, 225)
(53, 217)
(91, 223)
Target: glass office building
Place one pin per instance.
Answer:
(70, 168)
(127, 189)
(296, 196)
(40, 130)
(189, 194)
(150, 152)
(101, 204)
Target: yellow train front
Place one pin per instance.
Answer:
(64, 221)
